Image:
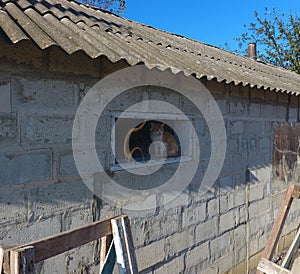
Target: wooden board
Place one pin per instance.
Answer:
(125, 253)
(268, 267)
(279, 222)
(62, 242)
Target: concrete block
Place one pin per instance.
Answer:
(268, 111)
(60, 197)
(47, 129)
(258, 207)
(170, 223)
(265, 143)
(212, 269)
(237, 107)
(293, 114)
(227, 221)
(223, 106)
(20, 168)
(165, 95)
(44, 94)
(220, 245)
(55, 264)
(239, 236)
(13, 205)
(77, 219)
(67, 167)
(254, 128)
(23, 233)
(8, 129)
(224, 205)
(194, 215)
(237, 127)
(281, 112)
(197, 255)
(78, 259)
(226, 262)
(254, 110)
(206, 230)
(213, 208)
(174, 266)
(256, 191)
(5, 96)
(150, 255)
(236, 198)
(179, 242)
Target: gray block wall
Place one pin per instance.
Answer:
(41, 193)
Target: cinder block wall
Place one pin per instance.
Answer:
(42, 194)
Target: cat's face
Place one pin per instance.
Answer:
(157, 129)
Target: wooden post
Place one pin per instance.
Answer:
(266, 266)
(292, 250)
(122, 238)
(104, 248)
(291, 192)
(1, 259)
(22, 260)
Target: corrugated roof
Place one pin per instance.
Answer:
(73, 26)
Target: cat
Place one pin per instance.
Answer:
(159, 134)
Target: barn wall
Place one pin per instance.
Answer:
(41, 193)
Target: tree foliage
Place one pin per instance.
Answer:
(278, 36)
(117, 6)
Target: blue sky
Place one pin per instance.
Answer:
(212, 22)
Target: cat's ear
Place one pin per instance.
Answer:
(151, 126)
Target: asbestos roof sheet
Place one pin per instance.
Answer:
(73, 27)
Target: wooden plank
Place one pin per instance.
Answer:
(104, 248)
(268, 267)
(1, 259)
(6, 259)
(22, 260)
(62, 242)
(110, 260)
(125, 253)
(292, 250)
(279, 222)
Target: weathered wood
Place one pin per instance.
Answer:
(292, 250)
(278, 224)
(22, 260)
(110, 260)
(65, 241)
(268, 267)
(106, 242)
(125, 253)
(1, 259)
(6, 259)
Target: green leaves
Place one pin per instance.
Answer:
(277, 35)
(117, 6)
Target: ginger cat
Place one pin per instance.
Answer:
(158, 133)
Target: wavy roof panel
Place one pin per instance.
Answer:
(73, 26)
